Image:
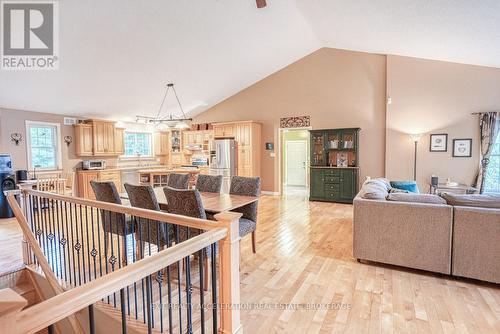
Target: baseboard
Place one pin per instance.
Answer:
(270, 193)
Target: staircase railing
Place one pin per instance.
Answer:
(149, 265)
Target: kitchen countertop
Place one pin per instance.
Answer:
(131, 168)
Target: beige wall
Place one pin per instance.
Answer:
(15, 121)
(435, 97)
(336, 88)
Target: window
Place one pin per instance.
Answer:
(43, 145)
(138, 144)
(492, 179)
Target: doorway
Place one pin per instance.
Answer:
(295, 162)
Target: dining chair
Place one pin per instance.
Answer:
(248, 186)
(187, 202)
(209, 183)
(112, 222)
(178, 181)
(146, 231)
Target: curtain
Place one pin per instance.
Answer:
(488, 130)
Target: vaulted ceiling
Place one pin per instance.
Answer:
(116, 56)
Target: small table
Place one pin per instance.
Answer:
(212, 202)
(458, 188)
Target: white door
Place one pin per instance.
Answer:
(295, 162)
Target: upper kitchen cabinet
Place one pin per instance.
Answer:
(224, 130)
(98, 138)
(83, 140)
(119, 141)
(162, 143)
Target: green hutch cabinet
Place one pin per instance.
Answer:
(334, 165)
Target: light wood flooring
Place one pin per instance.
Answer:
(304, 256)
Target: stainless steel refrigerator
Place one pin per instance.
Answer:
(223, 161)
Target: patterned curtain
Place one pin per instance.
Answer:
(488, 130)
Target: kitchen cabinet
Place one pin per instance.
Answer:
(98, 138)
(247, 135)
(224, 130)
(176, 159)
(119, 141)
(83, 140)
(83, 179)
(162, 143)
(104, 134)
(85, 176)
(334, 170)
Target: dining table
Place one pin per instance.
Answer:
(212, 202)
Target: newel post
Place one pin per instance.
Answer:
(11, 304)
(229, 281)
(27, 209)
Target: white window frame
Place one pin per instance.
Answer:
(57, 141)
(151, 146)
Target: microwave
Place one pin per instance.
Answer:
(94, 164)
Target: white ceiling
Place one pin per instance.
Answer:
(117, 55)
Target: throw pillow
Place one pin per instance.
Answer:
(375, 189)
(416, 198)
(410, 186)
(481, 201)
(396, 190)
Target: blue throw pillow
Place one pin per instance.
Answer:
(410, 186)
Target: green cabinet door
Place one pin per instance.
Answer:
(317, 183)
(348, 182)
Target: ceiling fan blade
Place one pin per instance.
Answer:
(261, 3)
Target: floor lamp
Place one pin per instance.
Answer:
(415, 138)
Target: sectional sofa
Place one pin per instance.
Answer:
(445, 235)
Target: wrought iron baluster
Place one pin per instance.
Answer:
(83, 244)
(149, 305)
(214, 287)
(159, 275)
(78, 245)
(179, 290)
(122, 308)
(201, 254)
(88, 243)
(189, 290)
(94, 251)
(112, 259)
(169, 285)
(52, 237)
(67, 243)
(91, 319)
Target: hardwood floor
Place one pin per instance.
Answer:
(304, 256)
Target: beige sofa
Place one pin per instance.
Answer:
(461, 241)
(414, 235)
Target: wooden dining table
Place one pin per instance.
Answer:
(212, 202)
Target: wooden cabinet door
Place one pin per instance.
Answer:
(244, 160)
(218, 131)
(229, 130)
(176, 159)
(109, 135)
(161, 143)
(347, 184)
(83, 140)
(244, 134)
(99, 138)
(119, 141)
(84, 187)
(317, 183)
(198, 137)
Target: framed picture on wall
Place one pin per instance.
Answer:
(462, 148)
(439, 142)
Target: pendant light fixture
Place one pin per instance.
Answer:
(167, 121)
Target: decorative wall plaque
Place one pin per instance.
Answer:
(295, 122)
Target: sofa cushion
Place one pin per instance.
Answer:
(375, 189)
(416, 198)
(410, 186)
(480, 201)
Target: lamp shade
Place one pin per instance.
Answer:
(416, 136)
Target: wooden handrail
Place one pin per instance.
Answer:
(134, 211)
(48, 312)
(42, 260)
